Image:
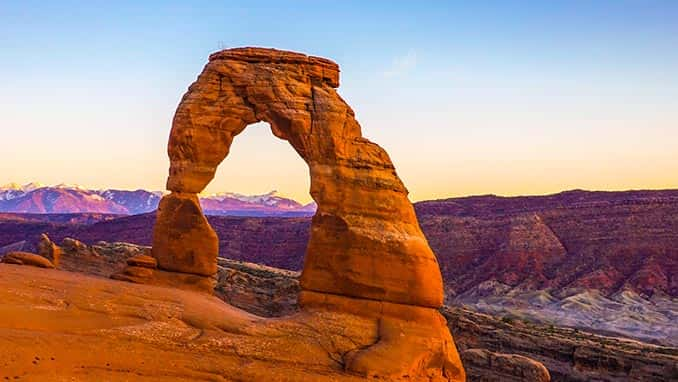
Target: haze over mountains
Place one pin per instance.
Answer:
(35, 198)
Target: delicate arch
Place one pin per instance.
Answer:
(365, 240)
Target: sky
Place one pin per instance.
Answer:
(468, 98)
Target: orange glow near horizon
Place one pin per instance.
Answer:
(259, 162)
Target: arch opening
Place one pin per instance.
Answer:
(259, 163)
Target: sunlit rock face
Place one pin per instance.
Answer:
(366, 254)
(365, 240)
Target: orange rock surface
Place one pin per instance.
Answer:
(49, 250)
(72, 327)
(26, 258)
(366, 255)
(183, 240)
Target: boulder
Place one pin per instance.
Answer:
(76, 247)
(144, 261)
(183, 240)
(26, 258)
(49, 250)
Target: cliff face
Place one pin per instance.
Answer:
(607, 241)
(604, 261)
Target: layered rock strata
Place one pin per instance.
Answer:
(26, 258)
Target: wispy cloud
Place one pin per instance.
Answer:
(402, 65)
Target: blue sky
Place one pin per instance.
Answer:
(467, 97)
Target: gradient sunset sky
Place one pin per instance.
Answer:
(467, 97)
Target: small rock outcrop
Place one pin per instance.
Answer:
(366, 254)
(27, 258)
(49, 250)
(485, 366)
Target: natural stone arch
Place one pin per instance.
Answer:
(367, 262)
(365, 240)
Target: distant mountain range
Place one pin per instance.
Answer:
(34, 198)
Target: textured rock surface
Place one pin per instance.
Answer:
(75, 327)
(258, 289)
(183, 240)
(505, 367)
(27, 258)
(49, 250)
(365, 240)
(569, 354)
(144, 261)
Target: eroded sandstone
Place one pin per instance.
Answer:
(26, 258)
(366, 255)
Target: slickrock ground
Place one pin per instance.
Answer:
(98, 316)
(57, 326)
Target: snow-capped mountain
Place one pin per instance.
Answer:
(269, 204)
(14, 190)
(63, 198)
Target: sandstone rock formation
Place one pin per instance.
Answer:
(365, 240)
(366, 255)
(183, 240)
(27, 258)
(49, 250)
(258, 289)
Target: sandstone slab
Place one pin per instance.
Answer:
(144, 261)
(26, 258)
(183, 240)
(91, 328)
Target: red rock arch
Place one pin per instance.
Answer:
(365, 240)
(366, 255)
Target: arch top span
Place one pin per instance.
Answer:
(316, 67)
(291, 91)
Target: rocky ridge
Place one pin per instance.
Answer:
(62, 199)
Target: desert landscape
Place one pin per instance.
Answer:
(506, 210)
